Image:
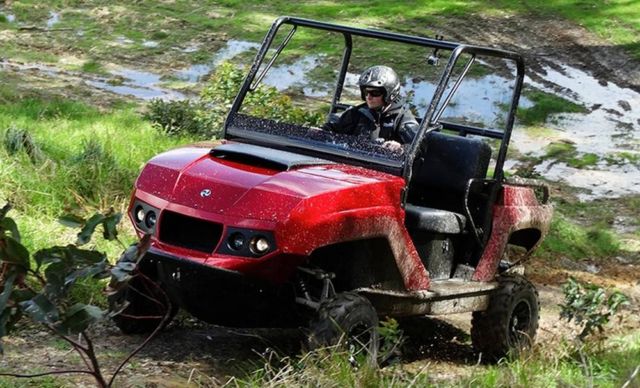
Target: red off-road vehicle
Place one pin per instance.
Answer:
(283, 224)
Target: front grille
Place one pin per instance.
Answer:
(188, 232)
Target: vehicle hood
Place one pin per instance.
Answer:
(196, 178)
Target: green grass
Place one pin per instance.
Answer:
(568, 238)
(41, 382)
(89, 162)
(623, 157)
(563, 366)
(545, 105)
(93, 66)
(566, 152)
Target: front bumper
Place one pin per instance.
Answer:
(221, 296)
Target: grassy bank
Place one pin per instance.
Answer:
(62, 156)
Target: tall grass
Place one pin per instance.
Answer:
(88, 160)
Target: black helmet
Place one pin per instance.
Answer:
(380, 77)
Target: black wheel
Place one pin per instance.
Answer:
(508, 326)
(147, 306)
(347, 320)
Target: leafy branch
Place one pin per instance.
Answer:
(590, 306)
(38, 287)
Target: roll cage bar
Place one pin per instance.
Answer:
(431, 120)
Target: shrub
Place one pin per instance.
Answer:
(205, 117)
(265, 101)
(590, 306)
(180, 117)
(40, 287)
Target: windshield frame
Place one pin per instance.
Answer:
(403, 166)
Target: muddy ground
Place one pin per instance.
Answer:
(193, 351)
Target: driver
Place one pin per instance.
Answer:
(383, 117)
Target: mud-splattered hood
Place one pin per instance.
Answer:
(255, 187)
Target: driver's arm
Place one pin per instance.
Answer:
(346, 122)
(407, 127)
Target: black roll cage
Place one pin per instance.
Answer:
(431, 120)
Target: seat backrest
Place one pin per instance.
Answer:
(441, 175)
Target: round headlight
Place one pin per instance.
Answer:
(150, 219)
(236, 241)
(260, 245)
(138, 214)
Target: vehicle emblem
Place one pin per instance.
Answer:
(205, 193)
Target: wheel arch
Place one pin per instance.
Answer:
(527, 238)
(359, 263)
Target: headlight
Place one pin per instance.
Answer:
(144, 216)
(260, 245)
(236, 241)
(139, 214)
(150, 219)
(247, 242)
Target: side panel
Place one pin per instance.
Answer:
(340, 217)
(517, 208)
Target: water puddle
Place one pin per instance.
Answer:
(192, 48)
(478, 100)
(283, 77)
(611, 127)
(598, 183)
(123, 41)
(138, 84)
(10, 17)
(54, 18)
(232, 48)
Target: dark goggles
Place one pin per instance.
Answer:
(374, 92)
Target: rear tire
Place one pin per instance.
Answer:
(508, 326)
(347, 320)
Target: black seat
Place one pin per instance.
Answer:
(436, 201)
(434, 220)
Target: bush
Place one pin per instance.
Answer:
(590, 306)
(180, 117)
(41, 287)
(205, 118)
(265, 101)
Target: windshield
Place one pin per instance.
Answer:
(305, 91)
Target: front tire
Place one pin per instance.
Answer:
(347, 320)
(147, 305)
(508, 326)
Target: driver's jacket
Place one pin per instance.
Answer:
(396, 122)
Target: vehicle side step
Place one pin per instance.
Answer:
(443, 297)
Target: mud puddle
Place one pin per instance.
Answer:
(54, 18)
(127, 82)
(611, 128)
